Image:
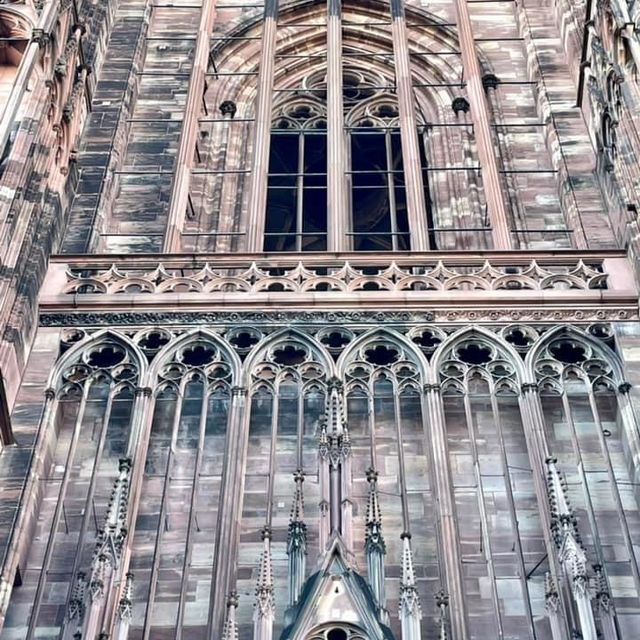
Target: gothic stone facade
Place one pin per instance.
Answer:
(319, 320)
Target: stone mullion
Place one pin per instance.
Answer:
(229, 511)
(538, 450)
(29, 504)
(617, 498)
(436, 434)
(416, 201)
(141, 422)
(256, 215)
(153, 579)
(338, 222)
(480, 116)
(39, 594)
(188, 137)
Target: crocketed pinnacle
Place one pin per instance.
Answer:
(230, 630)
(374, 539)
(264, 588)
(409, 599)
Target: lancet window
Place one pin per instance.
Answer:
(175, 536)
(383, 380)
(500, 535)
(590, 434)
(81, 527)
(287, 398)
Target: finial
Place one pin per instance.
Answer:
(264, 589)
(373, 534)
(409, 600)
(230, 630)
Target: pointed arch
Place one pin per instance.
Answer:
(103, 336)
(165, 354)
(503, 347)
(283, 335)
(383, 334)
(603, 350)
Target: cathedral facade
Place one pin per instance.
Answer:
(260, 383)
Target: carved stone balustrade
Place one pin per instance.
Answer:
(492, 286)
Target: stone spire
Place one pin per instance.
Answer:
(297, 541)
(410, 610)
(76, 603)
(334, 448)
(374, 545)
(125, 609)
(552, 606)
(571, 554)
(605, 607)
(111, 537)
(265, 605)
(442, 602)
(230, 630)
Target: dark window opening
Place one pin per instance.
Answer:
(297, 191)
(378, 197)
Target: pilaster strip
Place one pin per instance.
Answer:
(480, 116)
(262, 142)
(416, 202)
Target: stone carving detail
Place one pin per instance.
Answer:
(397, 276)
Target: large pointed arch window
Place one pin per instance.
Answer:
(297, 199)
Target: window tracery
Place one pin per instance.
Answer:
(590, 435)
(181, 484)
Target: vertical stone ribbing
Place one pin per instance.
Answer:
(188, 136)
(255, 223)
(337, 213)
(480, 116)
(416, 201)
(436, 433)
(232, 489)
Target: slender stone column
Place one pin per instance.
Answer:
(229, 513)
(480, 116)
(260, 166)
(188, 136)
(433, 414)
(533, 423)
(338, 221)
(416, 202)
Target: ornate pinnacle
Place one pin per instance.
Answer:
(409, 599)
(126, 601)
(99, 566)
(442, 602)
(264, 591)
(230, 630)
(334, 438)
(111, 537)
(551, 597)
(297, 533)
(374, 540)
(76, 603)
(603, 596)
(563, 520)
